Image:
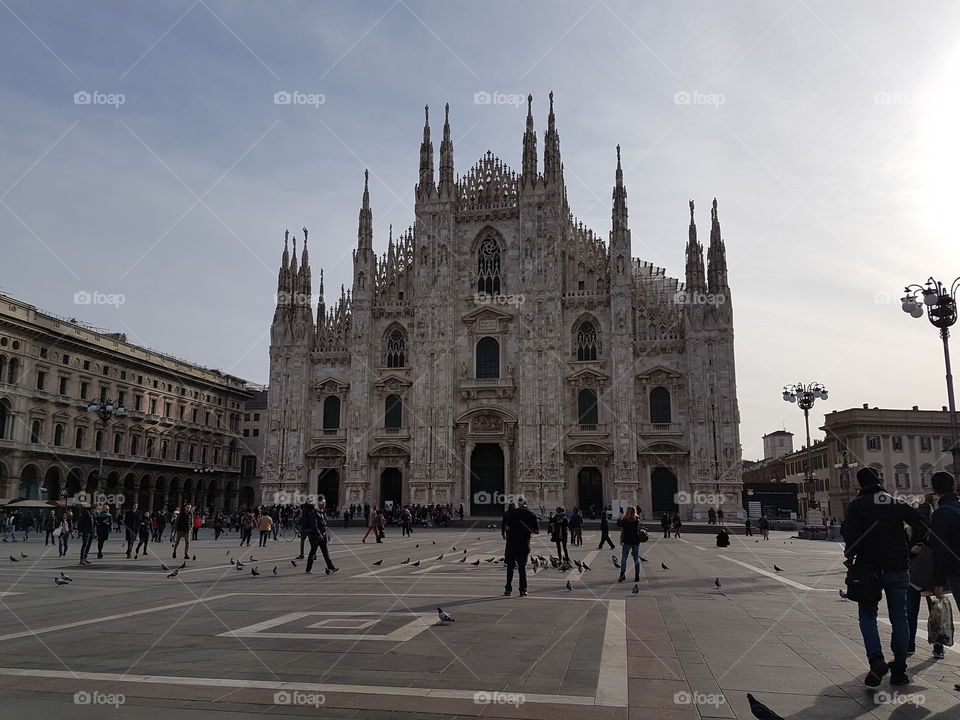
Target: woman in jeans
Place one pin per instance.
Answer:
(559, 536)
(64, 537)
(629, 524)
(921, 576)
(103, 521)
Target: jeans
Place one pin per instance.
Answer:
(85, 543)
(895, 586)
(264, 535)
(625, 551)
(605, 538)
(518, 557)
(562, 549)
(64, 541)
(318, 540)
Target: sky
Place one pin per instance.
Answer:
(145, 162)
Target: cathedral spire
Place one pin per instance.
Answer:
(716, 257)
(695, 281)
(529, 147)
(304, 281)
(425, 186)
(321, 307)
(446, 155)
(620, 224)
(365, 227)
(552, 168)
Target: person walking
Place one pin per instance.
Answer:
(265, 526)
(372, 523)
(520, 525)
(184, 524)
(246, 527)
(161, 525)
(665, 524)
(48, 524)
(877, 552)
(86, 528)
(559, 534)
(711, 516)
(144, 528)
(104, 522)
(314, 524)
(676, 525)
(748, 527)
(406, 522)
(764, 528)
(347, 514)
(131, 526)
(629, 524)
(720, 516)
(605, 531)
(576, 528)
(921, 576)
(945, 534)
(217, 526)
(197, 524)
(65, 526)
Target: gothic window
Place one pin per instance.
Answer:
(331, 412)
(488, 358)
(58, 435)
(587, 407)
(587, 344)
(488, 267)
(393, 412)
(397, 348)
(3, 365)
(660, 405)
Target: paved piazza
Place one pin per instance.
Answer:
(216, 642)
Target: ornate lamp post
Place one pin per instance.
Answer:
(941, 304)
(106, 411)
(845, 484)
(805, 396)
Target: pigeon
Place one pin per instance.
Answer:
(252, 559)
(64, 576)
(60, 581)
(194, 558)
(569, 586)
(228, 553)
(254, 572)
(444, 616)
(13, 559)
(275, 570)
(440, 558)
(464, 551)
(416, 564)
(23, 555)
(378, 563)
(405, 562)
(434, 542)
(534, 569)
(584, 565)
(577, 563)
(174, 573)
(489, 560)
(477, 563)
(462, 560)
(293, 562)
(636, 589)
(761, 711)
(184, 565)
(454, 549)
(417, 545)
(777, 569)
(616, 564)
(163, 566)
(843, 594)
(663, 567)
(717, 582)
(239, 565)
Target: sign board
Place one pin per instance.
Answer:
(618, 506)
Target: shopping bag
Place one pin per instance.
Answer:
(940, 623)
(57, 532)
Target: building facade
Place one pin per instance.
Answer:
(253, 432)
(178, 440)
(500, 347)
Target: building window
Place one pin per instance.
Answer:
(393, 412)
(13, 371)
(57, 435)
(178, 451)
(896, 441)
(946, 444)
(153, 406)
(660, 412)
(246, 432)
(134, 444)
(117, 440)
(78, 439)
(396, 348)
(206, 418)
(256, 417)
(86, 364)
(121, 396)
(873, 442)
(43, 352)
(106, 369)
(63, 386)
(65, 359)
(256, 432)
(488, 267)
(331, 413)
(193, 416)
(137, 402)
(902, 478)
(488, 358)
(926, 444)
(246, 417)
(41, 379)
(103, 393)
(5, 420)
(163, 449)
(149, 447)
(925, 479)
(166, 409)
(587, 408)
(98, 441)
(181, 411)
(36, 432)
(84, 390)
(587, 345)
(191, 452)
(248, 466)
(203, 454)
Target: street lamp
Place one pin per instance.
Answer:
(805, 396)
(941, 304)
(845, 484)
(106, 411)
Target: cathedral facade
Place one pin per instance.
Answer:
(500, 348)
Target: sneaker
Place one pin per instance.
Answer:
(938, 653)
(174, 555)
(621, 578)
(332, 570)
(899, 678)
(299, 557)
(523, 593)
(309, 572)
(878, 668)
(506, 593)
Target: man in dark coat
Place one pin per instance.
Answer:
(131, 524)
(945, 535)
(605, 531)
(876, 542)
(313, 524)
(86, 531)
(519, 525)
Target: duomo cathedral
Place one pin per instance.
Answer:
(498, 347)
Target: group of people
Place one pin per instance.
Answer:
(905, 553)
(670, 522)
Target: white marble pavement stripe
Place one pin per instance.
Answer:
(612, 682)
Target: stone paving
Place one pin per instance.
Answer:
(217, 640)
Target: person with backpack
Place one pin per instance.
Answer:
(184, 526)
(144, 528)
(945, 533)
(629, 524)
(246, 527)
(86, 530)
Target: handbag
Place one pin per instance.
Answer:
(644, 535)
(864, 584)
(940, 623)
(57, 531)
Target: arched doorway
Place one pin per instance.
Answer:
(228, 494)
(173, 499)
(663, 490)
(247, 498)
(29, 483)
(213, 497)
(51, 485)
(143, 497)
(391, 486)
(328, 485)
(486, 480)
(160, 495)
(590, 491)
(92, 481)
(74, 482)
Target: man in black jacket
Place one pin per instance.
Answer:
(945, 536)
(876, 541)
(183, 528)
(131, 523)
(313, 524)
(86, 531)
(518, 525)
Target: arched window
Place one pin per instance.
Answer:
(191, 451)
(98, 441)
(397, 348)
(393, 412)
(179, 451)
(660, 406)
(57, 435)
(3, 366)
(488, 267)
(149, 447)
(36, 430)
(134, 444)
(331, 412)
(13, 370)
(587, 407)
(163, 449)
(488, 358)
(117, 440)
(78, 438)
(587, 346)
(5, 420)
